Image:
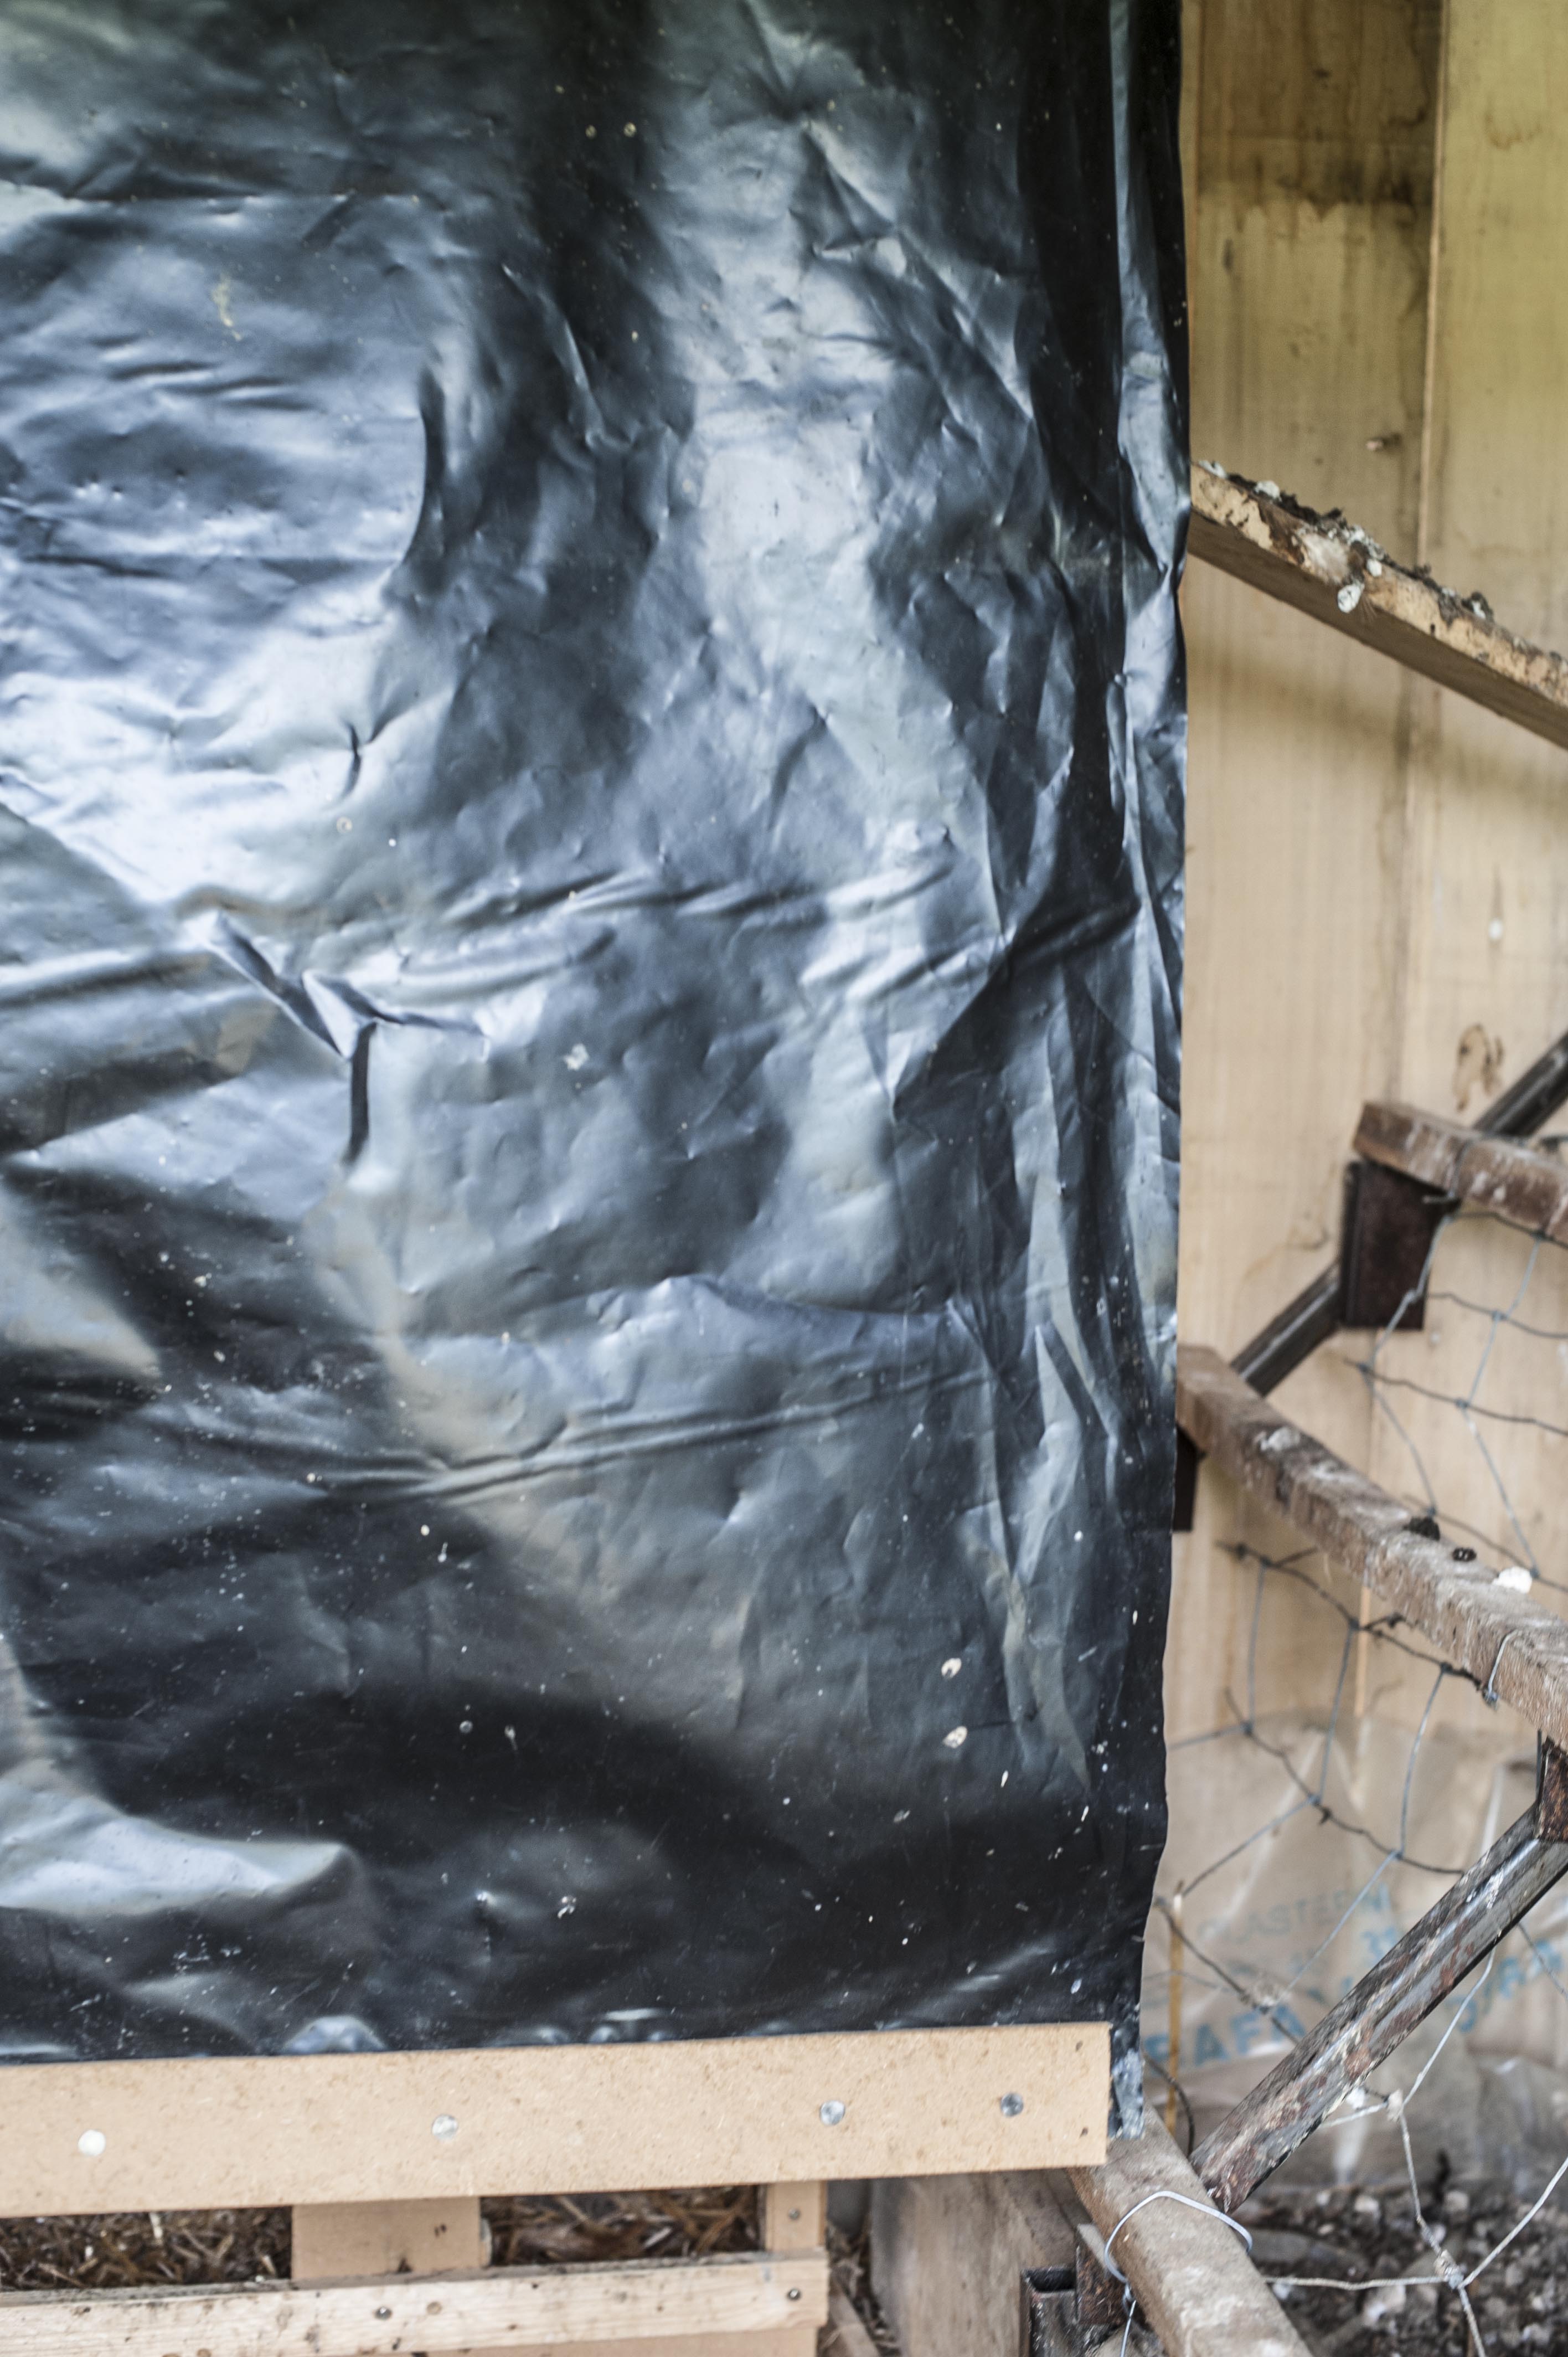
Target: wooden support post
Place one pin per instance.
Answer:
(1173, 2005)
(333, 2239)
(947, 2253)
(1520, 1183)
(794, 2218)
(1514, 1648)
(1191, 2272)
(1380, 2011)
(1325, 568)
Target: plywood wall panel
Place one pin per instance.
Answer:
(1377, 877)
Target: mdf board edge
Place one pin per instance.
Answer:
(242, 2131)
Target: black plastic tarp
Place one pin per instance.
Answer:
(590, 803)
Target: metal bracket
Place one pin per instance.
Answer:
(1386, 1242)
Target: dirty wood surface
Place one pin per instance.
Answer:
(1330, 570)
(675, 2300)
(1192, 2275)
(1508, 1642)
(1525, 1184)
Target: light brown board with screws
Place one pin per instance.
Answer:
(676, 2302)
(559, 2119)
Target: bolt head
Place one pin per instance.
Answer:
(831, 2113)
(1010, 2106)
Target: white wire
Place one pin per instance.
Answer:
(1204, 2210)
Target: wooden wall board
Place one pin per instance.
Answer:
(1377, 885)
(1316, 124)
(557, 2119)
(1487, 942)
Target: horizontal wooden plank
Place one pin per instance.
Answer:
(1517, 1644)
(1194, 2280)
(1522, 1183)
(548, 2119)
(494, 2308)
(1338, 575)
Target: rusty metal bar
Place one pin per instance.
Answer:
(1383, 2009)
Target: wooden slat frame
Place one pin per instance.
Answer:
(1520, 1183)
(498, 2309)
(1508, 1642)
(1311, 563)
(549, 2119)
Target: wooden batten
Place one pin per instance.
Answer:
(500, 2308)
(1524, 1184)
(549, 2119)
(1514, 1648)
(1337, 575)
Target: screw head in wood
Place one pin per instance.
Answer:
(1010, 2106)
(444, 2126)
(831, 2113)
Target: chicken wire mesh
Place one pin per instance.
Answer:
(1356, 1774)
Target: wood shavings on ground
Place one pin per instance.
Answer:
(123, 2248)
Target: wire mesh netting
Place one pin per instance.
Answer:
(1354, 1776)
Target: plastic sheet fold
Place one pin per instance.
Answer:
(590, 793)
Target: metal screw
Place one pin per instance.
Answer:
(1011, 2107)
(383, 2311)
(794, 2216)
(793, 2292)
(831, 2113)
(444, 2126)
(91, 2143)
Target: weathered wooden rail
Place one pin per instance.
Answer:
(1511, 1645)
(1327, 568)
(1525, 1184)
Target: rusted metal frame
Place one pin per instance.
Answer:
(1515, 1649)
(1340, 576)
(1390, 2001)
(1522, 1183)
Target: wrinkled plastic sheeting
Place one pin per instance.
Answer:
(592, 763)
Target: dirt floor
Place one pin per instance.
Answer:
(1520, 2302)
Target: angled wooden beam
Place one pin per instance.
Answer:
(1193, 2279)
(1522, 1183)
(1513, 1647)
(671, 2300)
(1378, 2015)
(1327, 568)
